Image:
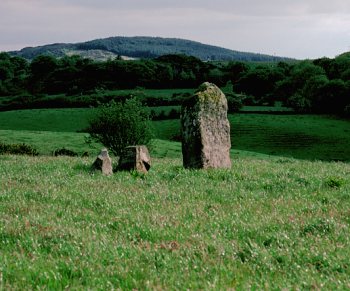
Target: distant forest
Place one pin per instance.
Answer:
(144, 48)
(311, 86)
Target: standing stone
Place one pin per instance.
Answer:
(135, 158)
(103, 163)
(205, 129)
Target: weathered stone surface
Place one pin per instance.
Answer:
(103, 163)
(205, 129)
(135, 158)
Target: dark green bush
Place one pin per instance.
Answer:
(122, 124)
(17, 149)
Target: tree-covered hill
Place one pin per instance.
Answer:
(142, 47)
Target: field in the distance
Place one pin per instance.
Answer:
(310, 137)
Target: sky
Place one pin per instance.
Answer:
(303, 29)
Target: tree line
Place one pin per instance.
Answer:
(312, 86)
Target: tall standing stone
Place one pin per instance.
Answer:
(103, 163)
(205, 129)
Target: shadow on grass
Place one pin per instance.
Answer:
(298, 146)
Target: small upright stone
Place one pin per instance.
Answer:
(135, 158)
(205, 129)
(103, 163)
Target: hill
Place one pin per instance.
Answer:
(142, 47)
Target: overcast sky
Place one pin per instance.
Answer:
(292, 28)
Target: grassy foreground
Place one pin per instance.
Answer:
(265, 224)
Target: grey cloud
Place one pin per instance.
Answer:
(308, 28)
(241, 7)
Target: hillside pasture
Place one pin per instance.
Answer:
(311, 137)
(55, 120)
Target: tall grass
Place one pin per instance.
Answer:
(274, 223)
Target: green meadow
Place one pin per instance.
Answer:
(310, 137)
(279, 219)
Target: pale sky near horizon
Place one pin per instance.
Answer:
(292, 28)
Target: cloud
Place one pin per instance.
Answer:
(296, 28)
(237, 7)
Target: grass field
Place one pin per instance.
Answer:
(310, 137)
(55, 120)
(268, 223)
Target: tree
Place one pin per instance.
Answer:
(259, 82)
(13, 72)
(312, 92)
(40, 69)
(118, 125)
(235, 70)
(187, 71)
(43, 65)
(296, 90)
(331, 98)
